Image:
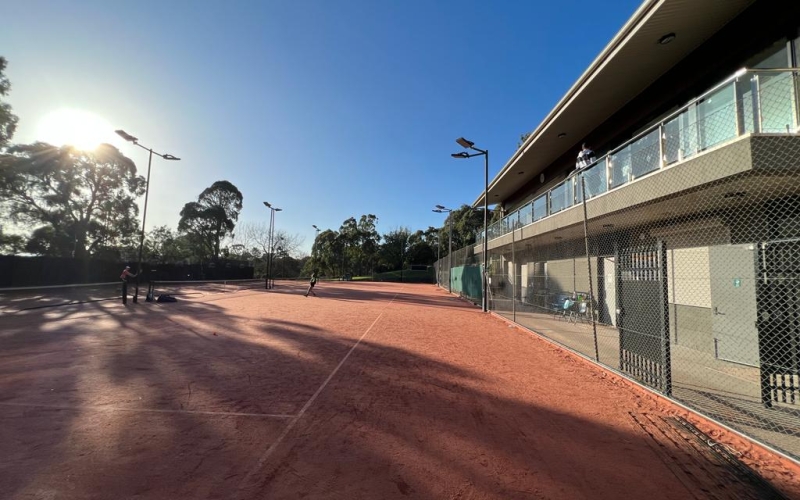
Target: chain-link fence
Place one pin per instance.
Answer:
(460, 273)
(681, 269)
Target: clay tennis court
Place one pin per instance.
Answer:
(371, 390)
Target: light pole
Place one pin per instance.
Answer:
(442, 210)
(269, 242)
(165, 156)
(485, 152)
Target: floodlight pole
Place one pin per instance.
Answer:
(485, 152)
(166, 156)
(144, 219)
(270, 248)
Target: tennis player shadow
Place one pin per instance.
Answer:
(61, 370)
(173, 399)
(396, 423)
(391, 293)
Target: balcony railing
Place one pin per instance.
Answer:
(751, 101)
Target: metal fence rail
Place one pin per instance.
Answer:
(685, 276)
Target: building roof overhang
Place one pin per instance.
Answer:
(630, 63)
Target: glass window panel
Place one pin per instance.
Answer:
(595, 179)
(774, 57)
(744, 97)
(777, 102)
(540, 207)
(680, 136)
(561, 196)
(526, 214)
(620, 167)
(645, 154)
(716, 118)
(688, 133)
(672, 142)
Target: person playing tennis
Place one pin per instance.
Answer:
(126, 273)
(311, 283)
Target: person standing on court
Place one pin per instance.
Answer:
(126, 273)
(585, 157)
(311, 283)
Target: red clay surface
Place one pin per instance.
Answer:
(369, 391)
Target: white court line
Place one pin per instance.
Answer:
(294, 421)
(148, 410)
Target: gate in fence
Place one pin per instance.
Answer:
(778, 323)
(643, 315)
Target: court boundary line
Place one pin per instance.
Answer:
(308, 404)
(145, 410)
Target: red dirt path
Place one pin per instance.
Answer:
(368, 391)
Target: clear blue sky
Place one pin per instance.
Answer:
(327, 109)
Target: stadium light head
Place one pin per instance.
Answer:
(128, 137)
(464, 143)
(460, 155)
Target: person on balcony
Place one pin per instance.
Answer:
(585, 157)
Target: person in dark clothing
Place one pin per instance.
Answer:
(126, 273)
(585, 157)
(311, 283)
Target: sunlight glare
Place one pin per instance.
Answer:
(78, 128)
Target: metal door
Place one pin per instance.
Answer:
(643, 315)
(733, 303)
(778, 302)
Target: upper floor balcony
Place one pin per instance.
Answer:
(750, 102)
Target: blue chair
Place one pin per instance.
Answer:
(566, 308)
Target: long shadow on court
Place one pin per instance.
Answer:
(395, 422)
(370, 292)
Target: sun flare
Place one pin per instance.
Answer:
(74, 127)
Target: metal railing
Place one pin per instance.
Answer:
(749, 102)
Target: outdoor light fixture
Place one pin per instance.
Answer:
(464, 143)
(135, 141)
(128, 137)
(666, 39)
(270, 247)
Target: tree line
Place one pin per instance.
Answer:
(67, 202)
(357, 248)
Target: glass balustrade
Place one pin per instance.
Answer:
(764, 101)
(540, 207)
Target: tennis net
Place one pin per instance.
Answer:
(200, 287)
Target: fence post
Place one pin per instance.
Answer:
(589, 266)
(513, 275)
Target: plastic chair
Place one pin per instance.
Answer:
(581, 313)
(566, 308)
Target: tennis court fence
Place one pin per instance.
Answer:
(673, 260)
